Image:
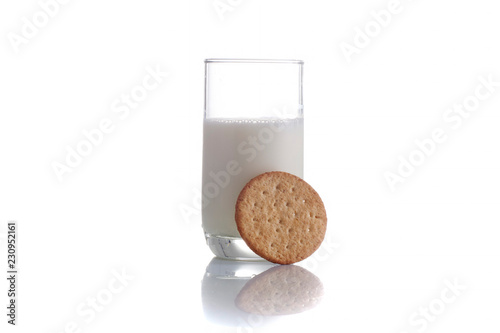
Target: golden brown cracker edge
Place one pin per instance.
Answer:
(281, 217)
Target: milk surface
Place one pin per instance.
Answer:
(235, 151)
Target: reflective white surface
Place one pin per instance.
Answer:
(117, 246)
(241, 294)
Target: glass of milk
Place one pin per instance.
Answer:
(253, 123)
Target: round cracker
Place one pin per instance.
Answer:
(280, 217)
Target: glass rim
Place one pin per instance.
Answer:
(253, 61)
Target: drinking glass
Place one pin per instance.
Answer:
(253, 124)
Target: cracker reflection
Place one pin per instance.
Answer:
(243, 293)
(281, 290)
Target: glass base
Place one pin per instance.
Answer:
(230, 248)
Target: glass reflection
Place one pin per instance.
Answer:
(237, 293)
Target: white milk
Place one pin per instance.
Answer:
(235, 151)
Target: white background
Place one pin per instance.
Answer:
(121, 207)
